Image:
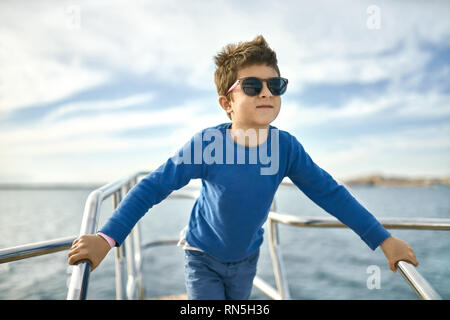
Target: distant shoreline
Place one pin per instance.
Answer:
(379, 180)
(370, 180)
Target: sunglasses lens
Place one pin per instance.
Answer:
(277, 85)
(252, 86)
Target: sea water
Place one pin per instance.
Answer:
(320, 263)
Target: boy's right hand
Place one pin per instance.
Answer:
(397, 250)
(90, 247)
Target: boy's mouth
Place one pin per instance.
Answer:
(265, 106)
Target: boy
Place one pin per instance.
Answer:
(225, 231)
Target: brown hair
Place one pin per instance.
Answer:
(234, 57)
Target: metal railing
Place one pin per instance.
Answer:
(128, 257)
(417, 282)
(80, 273)
(35, 249)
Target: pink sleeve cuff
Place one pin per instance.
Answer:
(110, 240)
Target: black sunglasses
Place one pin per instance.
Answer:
(252, 86)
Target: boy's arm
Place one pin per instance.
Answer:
(321, 188)
(174, 174)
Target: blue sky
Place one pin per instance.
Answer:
(91, 91)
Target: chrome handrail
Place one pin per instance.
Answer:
(80, 273)
(417, 282)
(390, 223)
(35, 249)
(128, 257)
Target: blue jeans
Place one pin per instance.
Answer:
(210, 279)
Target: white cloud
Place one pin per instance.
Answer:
(106, 105)
(35, 153)
(403, 105)
(415, 150)
(101, 132)
(31, 74)
(43, 59)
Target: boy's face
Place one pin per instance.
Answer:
(257, 111)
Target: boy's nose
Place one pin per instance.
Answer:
(265, 92)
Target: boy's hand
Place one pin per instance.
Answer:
(88, 247)
(396, 250)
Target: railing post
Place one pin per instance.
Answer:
(119, 256)
(131, 252)
(276, 257)
(80, 275)
(120, 271)
(138, 261)
(277, 261)
(131, 273)
(137, 252)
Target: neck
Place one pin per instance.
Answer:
(249, 135)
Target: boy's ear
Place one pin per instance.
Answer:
(225, 103)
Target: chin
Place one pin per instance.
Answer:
(264, 123)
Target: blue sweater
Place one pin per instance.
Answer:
(227, 218)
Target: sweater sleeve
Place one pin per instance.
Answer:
(323, 190)
(175, 173)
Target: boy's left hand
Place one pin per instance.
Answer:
(397, 250)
